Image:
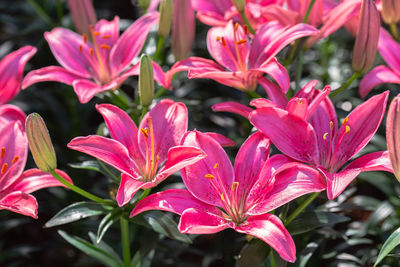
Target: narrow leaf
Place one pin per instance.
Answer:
(106, 222)
(253, 253)
(104, 246)
(389, 245)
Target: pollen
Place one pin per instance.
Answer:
(216, 165)
(81, 48)
(3, 152)
(347, 129)
(325, 135)
(106, 36)
(145, 132)
(331, 124)
(91, 52)
(222, 197)
(236, 26)
(84, 36)
(345, 120)
(15, 159)
(235, 185)
(4, 168)
(240, 42)
(96, 33)
(246, 29)
(209, 176)
(104, 46)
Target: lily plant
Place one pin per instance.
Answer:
(221, 196)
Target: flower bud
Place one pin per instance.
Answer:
(183, 29)
(393, 135)
(144, 4)
(40, 143)
(366, 45)
(391, 11)
(146, 81)
(83, 15)
(164, 23)
(240, 5)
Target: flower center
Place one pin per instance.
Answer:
(231, 201)
(96, 56)
(5, 164)
(152, 160)
(236, 58)
(331, 147)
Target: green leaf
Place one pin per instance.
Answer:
(107, 221)
(104, 246)
(312, 220)
(389, 245)
(253, 253)
(91, 250)
(76, 212)
(91, 165)
(161, 223)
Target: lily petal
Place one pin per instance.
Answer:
(10, 113)
(271, 230)
(278, 72)
(375, 77)
(376, 161)
(51, 73)
(387, 47)
(19, 202)
(201, 222)
(290, 134)
(274, 92)
(337, 182)
(11, 69)
(128, 187)
(221, 139)
(233, 107)
(86, 89)
(108, 150)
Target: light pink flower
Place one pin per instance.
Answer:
(97, 66)
(145, 156)
(387, 47)
(241, 63)
(309, 133)
(16, 184)
(11, 71)
(220, 196)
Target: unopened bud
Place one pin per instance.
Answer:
(393, 135)
(366, 45)
(240, 5)
(146, 81)
(183, 29)
(83, 15)
(40, 143)
(144, 4)
(391, 11)
(166, 12)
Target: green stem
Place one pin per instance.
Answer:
(162, 91)
(284, 211)
(107, 170)
(144, 111)
(160, 45)
(144, 194)
(81, 191)
(301, 208)
(40, 11)
(308, 12)
(344, 86)
(247, 22)
(393, 29)
(59, 12)
(272, 259)
(251, 95)
(299, 70)
(126, 247)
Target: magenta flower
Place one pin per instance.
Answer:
(242, 64)
(16, 184)
(309, 133)
(146, 156)
(382, 74)
(11, 69)
(220, 196)
(393, 135)
(96, 63)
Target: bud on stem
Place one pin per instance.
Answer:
(144, 4)
(40, 143)
(183, 29)
(391, 11)
(146, 81)
(366, 45)
(240, 5)
(166, 12)
(83, 15)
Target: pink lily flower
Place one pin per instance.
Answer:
(309, 133)
(219, 13)
(145, 156)
(220, 196)
(393, 135)
(11, 69)
(242, 64)
(387, 47)
(10, 113)
(96, 64)
(15, 183)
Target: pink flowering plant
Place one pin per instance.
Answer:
(129, 111)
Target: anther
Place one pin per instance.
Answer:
(331, 124)
(235, 185)
(243, 41)
(223, 41)
(246, 29)
(96, 33)
(347, 129)
(91, 52)
(81, 48)
(15, 159)
(4, 168)
(216, 165)
(236, 26)
(3, 152)
(325, 135)
(105, 46)
(345, 120)
(84, 36)
(209, 176)
(145, 132)
(222, 197)
(107, 36)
